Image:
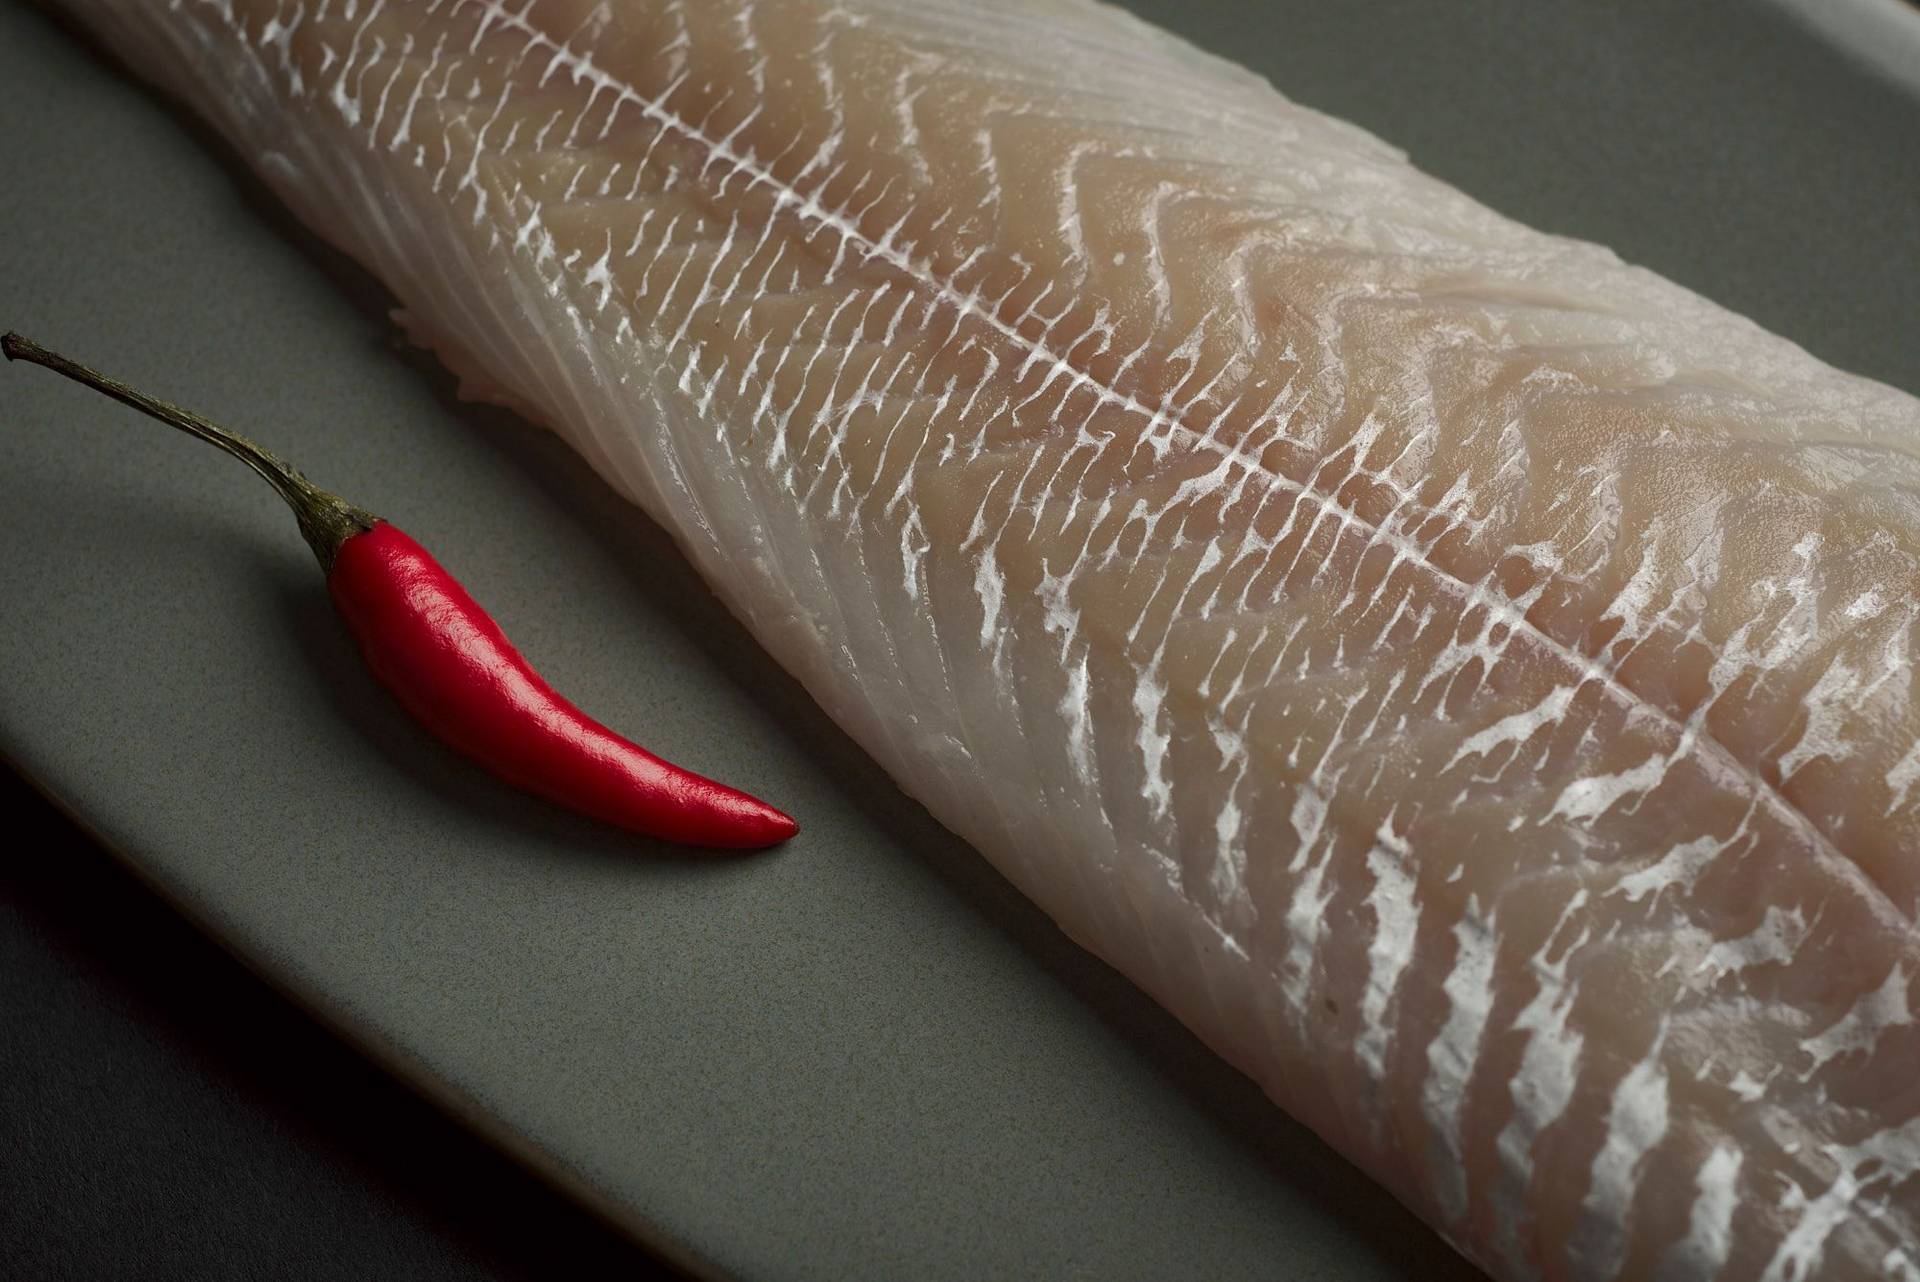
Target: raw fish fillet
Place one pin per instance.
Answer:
(1468, 679)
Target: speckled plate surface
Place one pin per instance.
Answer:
(865, 1054)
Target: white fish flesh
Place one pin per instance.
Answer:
(1468, 679)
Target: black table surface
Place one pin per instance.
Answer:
(166, 1114)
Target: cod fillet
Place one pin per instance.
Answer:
(1468, 679)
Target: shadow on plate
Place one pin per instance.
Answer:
(171, 1107)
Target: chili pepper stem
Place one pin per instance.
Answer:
(326, 520)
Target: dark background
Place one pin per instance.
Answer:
(165, 1114)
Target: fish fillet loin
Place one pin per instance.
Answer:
(1468, 679)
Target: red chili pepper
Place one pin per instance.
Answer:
(449, 664)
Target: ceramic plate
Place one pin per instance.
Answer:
(863, 1054)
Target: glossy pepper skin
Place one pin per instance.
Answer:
(449, 664)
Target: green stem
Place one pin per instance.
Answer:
(326, 520)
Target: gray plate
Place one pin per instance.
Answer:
(863, 1055)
